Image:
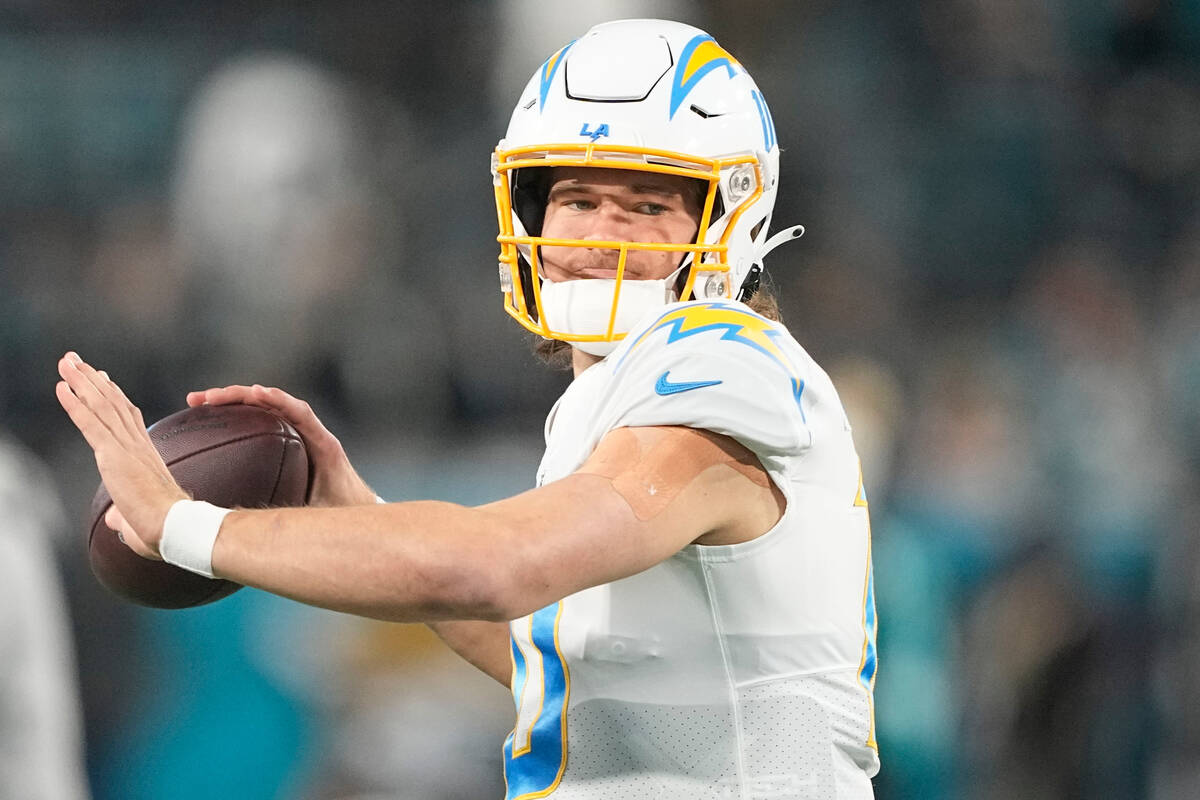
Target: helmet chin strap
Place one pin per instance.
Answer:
(754, 276)
(782, 237)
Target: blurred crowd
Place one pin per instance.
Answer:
(1001, 273)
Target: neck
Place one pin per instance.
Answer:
(581, 360)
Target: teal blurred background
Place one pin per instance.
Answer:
(1001, 272)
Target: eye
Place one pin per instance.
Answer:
(579, 204)
(653, 209)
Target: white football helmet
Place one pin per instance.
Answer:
(646, 95)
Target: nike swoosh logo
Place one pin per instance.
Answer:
(664, 387)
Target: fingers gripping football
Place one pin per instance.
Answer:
(141, 487)
(334, 480)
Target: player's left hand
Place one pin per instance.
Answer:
(141, 487)
(335, 481)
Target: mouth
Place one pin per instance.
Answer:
(601, 273)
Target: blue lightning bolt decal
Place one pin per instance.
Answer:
(735, 324)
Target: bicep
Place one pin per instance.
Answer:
(729, 494)
(642, 495)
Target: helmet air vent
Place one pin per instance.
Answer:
(700, 112)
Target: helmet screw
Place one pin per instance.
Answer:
(714, 286)
(741, 183)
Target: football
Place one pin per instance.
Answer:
(236, 456)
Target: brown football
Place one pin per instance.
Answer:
(236, 456)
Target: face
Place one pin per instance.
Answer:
(598, 204)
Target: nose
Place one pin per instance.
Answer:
(611, 222)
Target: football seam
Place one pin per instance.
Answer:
(232, 441)
(279, 470)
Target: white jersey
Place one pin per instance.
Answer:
(739, 671)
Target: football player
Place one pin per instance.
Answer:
(684, 606)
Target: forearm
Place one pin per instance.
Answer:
(485, 645)
(421, 561)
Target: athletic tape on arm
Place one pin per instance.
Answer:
(650, 475)
(189, 535)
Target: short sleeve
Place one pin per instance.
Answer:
(715, 366)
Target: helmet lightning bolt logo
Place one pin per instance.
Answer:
(548, 71)
(700, 56)
(738, 325)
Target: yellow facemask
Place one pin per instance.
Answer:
(705, 262)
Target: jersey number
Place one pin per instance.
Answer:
(535, 753)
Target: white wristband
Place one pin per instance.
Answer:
(189, 535)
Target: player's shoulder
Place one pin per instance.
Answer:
(716, 366)
(712, 331)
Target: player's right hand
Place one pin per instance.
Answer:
(335, 482)
(141, 486)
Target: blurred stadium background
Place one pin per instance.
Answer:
(1001, 271)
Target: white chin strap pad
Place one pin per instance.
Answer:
(582, 307)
